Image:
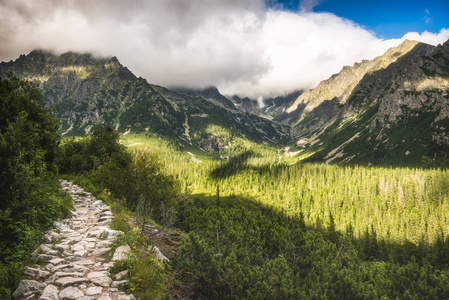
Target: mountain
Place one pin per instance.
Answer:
(393, 109)
(210, 93)
(271, 108)
(86, 91)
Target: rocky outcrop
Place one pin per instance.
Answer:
(391, 110)
(72, 262)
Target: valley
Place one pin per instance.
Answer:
(337, 192)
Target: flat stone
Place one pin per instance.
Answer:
(85, 262)
(94, 290)
(94, 240)
(50, 293)
(97, 274)
(100, 252)
(81, 253)
(56, 261)
(102, 281)
(68, 281)
(69, 274)
(79, 268)
(105, 297)
(27, 287)
(78, 246)
(71, 293)
(60, 267)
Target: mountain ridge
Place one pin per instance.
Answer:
(377, 122)
(87, 91)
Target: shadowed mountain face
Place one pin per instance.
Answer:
(86, 91)
(390, 110)
(393, 109)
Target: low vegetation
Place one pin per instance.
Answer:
(253, 226)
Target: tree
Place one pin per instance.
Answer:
(28, 136)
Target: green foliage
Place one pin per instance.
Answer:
(30, 195)
(143, 177)
(147, 277)
(82, 155)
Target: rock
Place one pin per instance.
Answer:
(159, 254)
(105, 297)
(36, 273)
(119, 283)
(121, 252)
(62, 227)
(85, 262)
(111, 234)
(43, 257)
(69, 281)
(69, 274)
(71, 293)
(94, 290)
(104, 244)
(100, 252)
(83, 272)
(121, 275)
(45, 250)
(97, 274)
(28, 287)
(81, 253)
(56, 261)
(50, 293)
(102, 281)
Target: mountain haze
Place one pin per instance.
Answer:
(87, 91)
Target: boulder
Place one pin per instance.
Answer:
(121, 252)
(27, 287)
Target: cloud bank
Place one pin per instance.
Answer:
(239, 46)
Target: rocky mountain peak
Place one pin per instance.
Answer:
(340, 86)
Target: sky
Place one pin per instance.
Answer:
(255, 48)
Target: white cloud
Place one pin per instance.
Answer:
(236, 45)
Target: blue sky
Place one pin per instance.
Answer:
(386, 18)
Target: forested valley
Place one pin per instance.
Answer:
(240, 223)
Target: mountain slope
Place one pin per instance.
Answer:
(396, 113)
(86, 91)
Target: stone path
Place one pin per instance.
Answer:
(72, 262)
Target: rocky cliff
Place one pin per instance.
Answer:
(393, 108)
